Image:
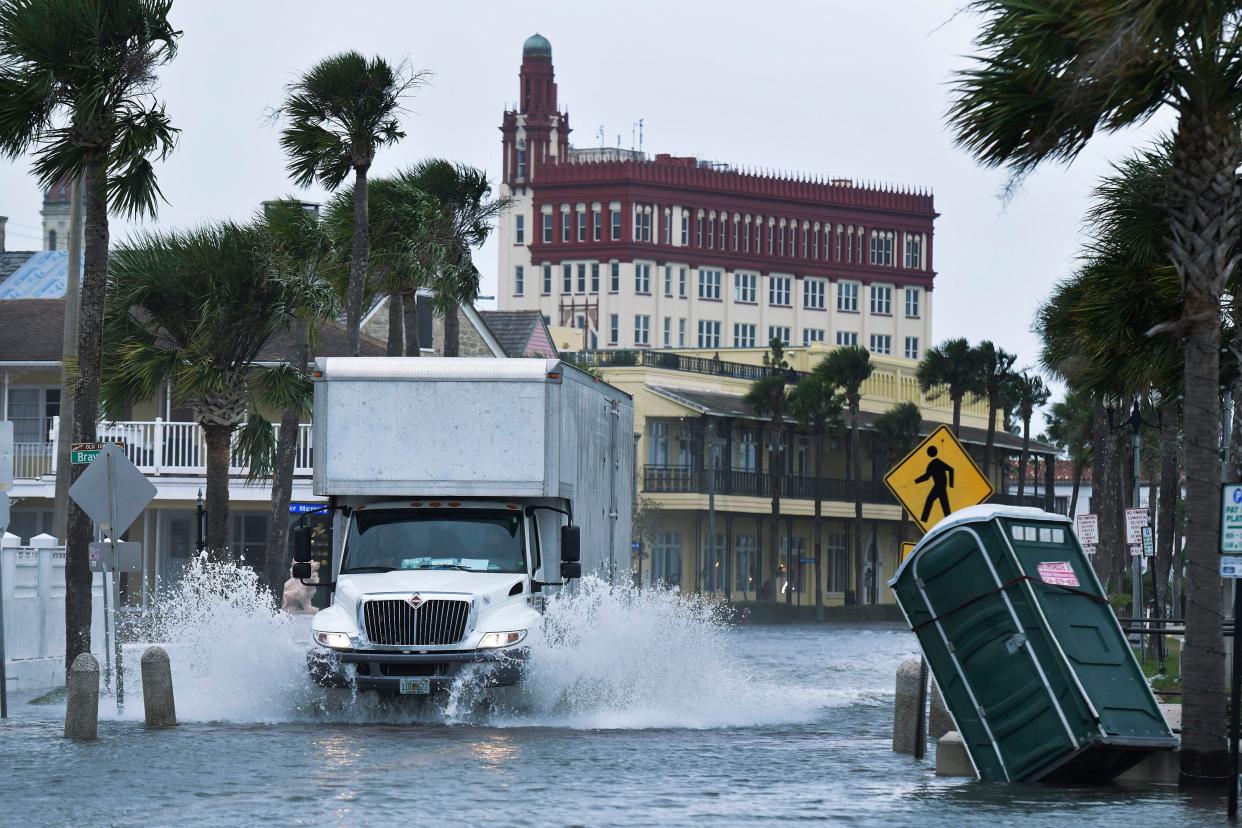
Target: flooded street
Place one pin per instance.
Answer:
(655, 716)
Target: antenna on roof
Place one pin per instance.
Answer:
(599, 133)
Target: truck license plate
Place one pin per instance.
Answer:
(415, 686)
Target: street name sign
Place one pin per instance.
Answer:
(1136, 519)
(82, 453)
(936, 479)
(1231, 518)
(112, 491)
(1087, 527)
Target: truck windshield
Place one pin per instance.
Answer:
(383, 540)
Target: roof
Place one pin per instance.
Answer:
(537, 44)
(520, 333)
(977, 514)
(31, 330)
(734, 405)
(33, 274)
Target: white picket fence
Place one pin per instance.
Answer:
(32, 589)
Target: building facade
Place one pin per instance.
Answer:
(676, 252)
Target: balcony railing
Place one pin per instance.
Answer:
(156, 448)
(675, 362)
(694, 480)
(690, 479)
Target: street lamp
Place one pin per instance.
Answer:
(1136, 422)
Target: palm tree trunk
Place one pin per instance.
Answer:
(78, 576)
(1073, 504)
(396, 324)
(1204, 218)
(957, 416)
(356, 292)
(860, 581)
(282, 474)
(452, 332)
(219, 442)
(409, 312)
(1101, 500)
(819, 525)
(1025, 457)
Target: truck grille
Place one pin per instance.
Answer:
(436, 622)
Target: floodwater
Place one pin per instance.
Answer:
(640, 709)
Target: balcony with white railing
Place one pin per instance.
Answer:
(156, 447)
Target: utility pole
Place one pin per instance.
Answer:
(69, 355)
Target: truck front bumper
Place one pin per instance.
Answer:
(371, 670)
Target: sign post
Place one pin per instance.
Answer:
(1136, 519)
(933, 481)
(1231, 567)
(6, 483)
(113, 493)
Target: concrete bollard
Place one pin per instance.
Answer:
(82, 709)
(157, 688)
(905, 707)
(938, 721)
(951, 756)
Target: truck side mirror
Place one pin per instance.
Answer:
(571, 570)
(571, 544)
(302, 545)
(301, 571)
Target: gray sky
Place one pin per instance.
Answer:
(846, 89)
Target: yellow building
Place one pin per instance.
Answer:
(687, 400)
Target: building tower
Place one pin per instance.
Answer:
(536, 133)
(55, 214)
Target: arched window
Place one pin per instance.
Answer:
(51, 239)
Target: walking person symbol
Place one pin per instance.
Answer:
(940, 474)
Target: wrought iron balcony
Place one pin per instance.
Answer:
(691, 479)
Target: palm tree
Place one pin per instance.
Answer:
(77, 83)
(1049, 75)
(1069, 429)
(398, 212)
(299, 250)
(848, 368)
(192, 310)
(340, 113)
(995, 366)
(817, 405)
(1028, 394)
(950, 368)
(768, 398)
(461, 202)
(896, 435)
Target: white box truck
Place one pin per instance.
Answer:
(462, 491)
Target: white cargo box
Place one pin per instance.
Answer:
(427, 426)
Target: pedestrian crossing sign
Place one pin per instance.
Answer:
(936, 479)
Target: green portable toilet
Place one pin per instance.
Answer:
(1028, 655)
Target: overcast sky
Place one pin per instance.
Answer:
(846, 89)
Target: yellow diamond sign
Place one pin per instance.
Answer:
(937, 479)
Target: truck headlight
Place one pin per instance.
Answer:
(492, 640)
(335, 640)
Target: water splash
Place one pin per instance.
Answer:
(606, 657)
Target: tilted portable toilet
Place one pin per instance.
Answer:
(1030, 659)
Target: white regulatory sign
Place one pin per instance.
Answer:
(1230, 518)
(1136, 519)
(1088, 529)
(1230, 566)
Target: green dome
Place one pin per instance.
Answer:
(537, 44)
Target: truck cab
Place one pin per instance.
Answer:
(445, 546)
